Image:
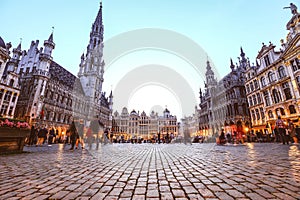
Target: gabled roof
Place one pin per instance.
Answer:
(65, 77)
(264, 49)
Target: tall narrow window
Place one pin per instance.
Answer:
(297, 63)
(263, 81)
(257, 114)
(254, 99)
(292, 109)
(271, 76)
(262, 113)
(250, 101)
(294, 67)
(281, 72)
(298, 82)
(251, 86)
(267, 60)
(276, 96)
(270, 114)
(267, 98)
(256, 84)
(253, 115)
(258, 97)
(287, 91)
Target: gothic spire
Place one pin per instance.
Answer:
(96, 35)
(19, 46)
(210, 75)
(231, 64)
(242, 52)
(99, 16)
(51, 38)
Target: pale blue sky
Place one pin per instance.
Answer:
(219, 27)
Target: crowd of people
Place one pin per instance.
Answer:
(282, 132)
(42, 135)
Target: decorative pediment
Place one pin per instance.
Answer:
(264, 50)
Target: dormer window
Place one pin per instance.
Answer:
(267, 60)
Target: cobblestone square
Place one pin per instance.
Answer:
(153, 171)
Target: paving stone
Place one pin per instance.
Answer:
(284, 196)
(138, 197)
(236, 194)
(140, 190)
(254, 196)
(223, 195)
(148, 171)
(178, 193)
(72, 195)
(152, 193)
(60, 195)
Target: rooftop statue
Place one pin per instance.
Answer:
(293, 8)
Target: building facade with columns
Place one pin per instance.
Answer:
(141, 125)
(52, 96)
(9, 79)
(273, 85)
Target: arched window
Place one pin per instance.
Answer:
(271, 76)
(292, 109)
(280, 111)
(263, 81)
(276, 96)
(281, 72)
(287, 91)
(271, 116)
(267, 98)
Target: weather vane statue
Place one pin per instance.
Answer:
(293, 8)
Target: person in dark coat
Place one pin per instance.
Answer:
(42, 134)
(32, 136)
(51, 136)
(222, 137)
(73, 135)
(279, 124)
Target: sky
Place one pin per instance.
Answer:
(218, 28)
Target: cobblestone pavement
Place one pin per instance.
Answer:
(153, 171)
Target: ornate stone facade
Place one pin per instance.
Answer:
(9, 79)
(273, 85)
(52, 96)
(223, 103)
(144, 126)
